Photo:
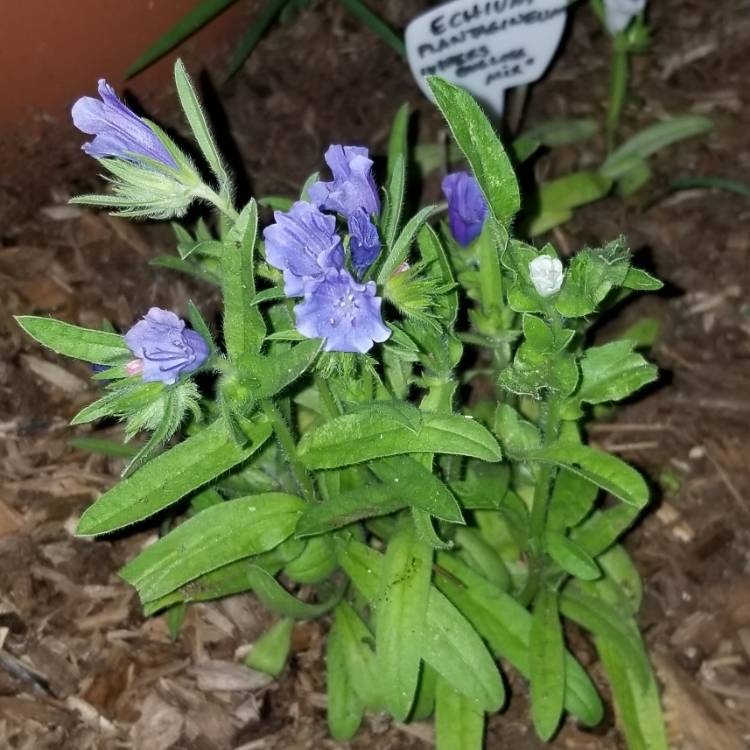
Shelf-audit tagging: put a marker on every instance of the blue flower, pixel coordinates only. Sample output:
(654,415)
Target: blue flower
(467,208)
(303,244)
(118,131)
(353,186)
(341,311)
(364,242)
(164,348)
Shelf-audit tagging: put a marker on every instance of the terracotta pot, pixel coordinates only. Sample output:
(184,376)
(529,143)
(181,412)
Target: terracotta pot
(53,51)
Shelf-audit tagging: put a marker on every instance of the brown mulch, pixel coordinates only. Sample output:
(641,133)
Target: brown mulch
(81,668)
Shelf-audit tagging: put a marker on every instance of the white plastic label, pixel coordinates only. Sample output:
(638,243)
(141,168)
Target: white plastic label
(486,47)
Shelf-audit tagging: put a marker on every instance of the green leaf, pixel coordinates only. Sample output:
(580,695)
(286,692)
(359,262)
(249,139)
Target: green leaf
(172,475)
(364,436)
(185,27)
(599,618)
(419,486)
(439,268)
(557,198)
(97,347)
(361,663)
(556,133)
(490,272)
(200,326)
(395,188)
(571,557)
(458,723)
(711,183)
(653,139)
(255,32)
(349,507)
(572,499)
(280,601)
(478,140)
(612,372)
(400,612)
(506,626)
(271,375)
(483,557)
(637,176)
(424,705)
(399,250)
(641,281)
(455,651)
(373,22)
(533,371)
(103,447)
(604,470)
(214,538)
(603,528)
(244,328)
(271,651)
(638,709)
(451,646)
(124,400)
(591,275)
(315,564)
(398,140)
(517,435)
(547,664)
(345,707)
(196,117)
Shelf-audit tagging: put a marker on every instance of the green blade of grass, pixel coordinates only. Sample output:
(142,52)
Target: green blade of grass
(711,183)
(254,34)
(375,23)
(185,27)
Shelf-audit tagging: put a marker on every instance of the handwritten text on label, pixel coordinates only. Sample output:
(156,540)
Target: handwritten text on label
(486,47)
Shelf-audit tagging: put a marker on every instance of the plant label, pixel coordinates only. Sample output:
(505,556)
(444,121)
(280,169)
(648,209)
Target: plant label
(485,47)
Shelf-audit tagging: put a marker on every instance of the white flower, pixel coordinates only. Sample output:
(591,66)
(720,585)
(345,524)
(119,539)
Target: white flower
(546,275)
(619,13)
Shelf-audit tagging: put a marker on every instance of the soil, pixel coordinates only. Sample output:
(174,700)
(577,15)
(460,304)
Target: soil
(81,668)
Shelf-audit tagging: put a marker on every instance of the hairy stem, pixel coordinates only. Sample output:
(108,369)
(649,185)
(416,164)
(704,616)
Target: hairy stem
(288,445)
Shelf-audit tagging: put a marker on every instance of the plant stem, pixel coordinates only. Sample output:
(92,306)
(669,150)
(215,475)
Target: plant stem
(618,89)
(288,445)
(550,431)
(222,202)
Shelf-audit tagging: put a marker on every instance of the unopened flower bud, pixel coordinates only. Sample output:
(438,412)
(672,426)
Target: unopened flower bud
(546,275)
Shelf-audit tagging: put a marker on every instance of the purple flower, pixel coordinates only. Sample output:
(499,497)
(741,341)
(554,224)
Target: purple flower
(164,347)
(341,311)
(467,208)
(364,242)
(303,244)
(118,131)
(353,186)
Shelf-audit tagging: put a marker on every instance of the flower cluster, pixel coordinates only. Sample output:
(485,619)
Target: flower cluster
(304,244)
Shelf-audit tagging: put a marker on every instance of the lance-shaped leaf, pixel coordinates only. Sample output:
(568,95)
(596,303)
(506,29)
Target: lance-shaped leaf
(172,475)
(478,140)
(458,723)
(613,371)
(97,347)
(547,662)
(572,558)
(345,707)
(638,708)
(400,612)
(199,125)
(604,470)
(280,601)
(364,436)
(506,627)
(362,665)
(244,328)
(271,651)
(451,646)
(216,537)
